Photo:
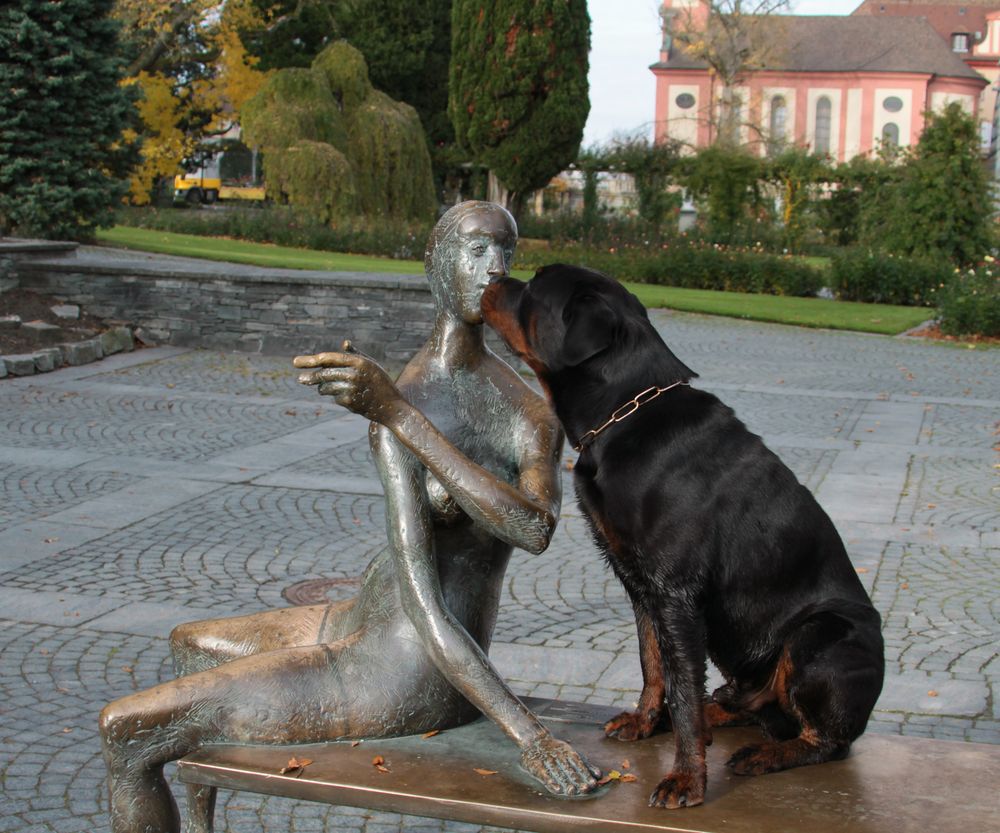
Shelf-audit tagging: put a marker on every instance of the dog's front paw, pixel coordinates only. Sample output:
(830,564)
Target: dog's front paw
(632,725)
(679,789)
(752,760)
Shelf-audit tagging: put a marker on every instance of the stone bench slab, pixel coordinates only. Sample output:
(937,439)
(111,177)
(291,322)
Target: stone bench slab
(888,784)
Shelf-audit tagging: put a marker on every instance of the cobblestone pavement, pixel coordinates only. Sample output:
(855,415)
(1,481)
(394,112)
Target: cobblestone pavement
(168,485)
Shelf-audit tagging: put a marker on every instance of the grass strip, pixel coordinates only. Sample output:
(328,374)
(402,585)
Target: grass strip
(779,309)
(254,254)
(803,312)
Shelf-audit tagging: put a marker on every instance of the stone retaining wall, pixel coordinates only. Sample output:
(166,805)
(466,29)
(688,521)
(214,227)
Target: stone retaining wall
(16,251)
(187,302)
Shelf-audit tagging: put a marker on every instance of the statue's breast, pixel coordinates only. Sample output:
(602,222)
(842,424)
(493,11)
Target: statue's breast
(444,509)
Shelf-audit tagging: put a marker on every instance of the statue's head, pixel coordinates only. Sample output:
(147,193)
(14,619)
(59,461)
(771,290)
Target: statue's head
(470,245)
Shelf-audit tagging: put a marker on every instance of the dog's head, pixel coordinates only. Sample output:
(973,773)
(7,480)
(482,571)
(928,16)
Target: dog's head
(571,321)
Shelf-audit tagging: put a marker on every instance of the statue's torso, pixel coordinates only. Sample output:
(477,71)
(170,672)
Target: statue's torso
(477,413)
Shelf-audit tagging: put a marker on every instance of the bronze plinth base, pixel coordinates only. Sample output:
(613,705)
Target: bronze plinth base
(888,784)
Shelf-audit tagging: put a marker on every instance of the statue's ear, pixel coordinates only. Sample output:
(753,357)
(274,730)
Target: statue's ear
(590,328)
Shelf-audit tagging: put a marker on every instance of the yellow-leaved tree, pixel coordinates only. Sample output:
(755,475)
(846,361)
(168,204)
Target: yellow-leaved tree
(194,73)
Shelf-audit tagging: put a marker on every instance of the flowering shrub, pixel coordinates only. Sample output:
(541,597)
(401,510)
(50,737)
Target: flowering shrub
(861,275)
(969,303)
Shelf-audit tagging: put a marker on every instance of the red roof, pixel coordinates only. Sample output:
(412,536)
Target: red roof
(947,18)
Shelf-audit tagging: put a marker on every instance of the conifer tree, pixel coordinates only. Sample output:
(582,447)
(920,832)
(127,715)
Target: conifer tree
(63,158)
(518,93)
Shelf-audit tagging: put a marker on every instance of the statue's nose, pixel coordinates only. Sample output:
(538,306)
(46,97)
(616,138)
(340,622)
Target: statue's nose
(497,268)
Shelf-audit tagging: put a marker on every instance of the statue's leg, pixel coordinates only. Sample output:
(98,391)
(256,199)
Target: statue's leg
(198,646)
(201,809)
(294,695)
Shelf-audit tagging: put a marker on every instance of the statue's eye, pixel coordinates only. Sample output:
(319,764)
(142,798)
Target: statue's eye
(479,250)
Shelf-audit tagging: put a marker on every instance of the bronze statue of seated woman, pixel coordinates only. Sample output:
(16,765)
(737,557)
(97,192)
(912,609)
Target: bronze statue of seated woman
(468,456)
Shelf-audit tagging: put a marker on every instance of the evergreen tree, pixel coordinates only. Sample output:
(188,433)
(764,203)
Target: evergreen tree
(518,94)
(63,159)
(407,45)
(337,147)
(938,203)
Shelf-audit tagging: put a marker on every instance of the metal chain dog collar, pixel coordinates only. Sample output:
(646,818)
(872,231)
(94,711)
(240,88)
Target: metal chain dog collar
(626,410)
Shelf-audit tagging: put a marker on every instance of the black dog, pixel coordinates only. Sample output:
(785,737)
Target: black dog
(720,548)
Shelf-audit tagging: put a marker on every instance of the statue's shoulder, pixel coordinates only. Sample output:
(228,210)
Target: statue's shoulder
(527,403)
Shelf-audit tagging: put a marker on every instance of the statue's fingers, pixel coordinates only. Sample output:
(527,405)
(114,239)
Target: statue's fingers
(331,359)
(570,777)
(327,374)
(585,773)
(336,374)
(337,390)
(555,778)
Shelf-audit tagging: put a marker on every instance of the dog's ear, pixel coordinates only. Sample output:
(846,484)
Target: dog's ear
(590,327)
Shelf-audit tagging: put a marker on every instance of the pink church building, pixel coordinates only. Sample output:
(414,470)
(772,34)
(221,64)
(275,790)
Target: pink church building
(837,85)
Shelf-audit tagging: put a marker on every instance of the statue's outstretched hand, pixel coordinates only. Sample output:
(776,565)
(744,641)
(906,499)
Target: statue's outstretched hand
(354,380)
(559,767)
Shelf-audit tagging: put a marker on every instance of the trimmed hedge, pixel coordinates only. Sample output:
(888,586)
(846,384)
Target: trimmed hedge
(691,265)
(969,304)
(286,226)
(861,275)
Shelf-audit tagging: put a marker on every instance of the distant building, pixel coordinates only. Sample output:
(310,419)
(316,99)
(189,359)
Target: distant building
(616,193)
(971,30)
(837,85)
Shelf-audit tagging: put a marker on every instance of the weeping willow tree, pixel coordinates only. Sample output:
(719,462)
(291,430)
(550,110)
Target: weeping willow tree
(336,146)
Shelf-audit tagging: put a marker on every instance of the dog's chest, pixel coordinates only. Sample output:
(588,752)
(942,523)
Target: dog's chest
(611,534)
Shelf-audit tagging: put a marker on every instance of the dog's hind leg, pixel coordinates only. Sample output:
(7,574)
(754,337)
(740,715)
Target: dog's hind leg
(826,681)
(650,713)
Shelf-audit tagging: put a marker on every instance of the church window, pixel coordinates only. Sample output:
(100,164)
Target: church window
(823,118)
(890,133)
(893,104)
(685,101)
(779,118)
(960,42)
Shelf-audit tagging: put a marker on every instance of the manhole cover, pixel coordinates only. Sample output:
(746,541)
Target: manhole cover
(321,590)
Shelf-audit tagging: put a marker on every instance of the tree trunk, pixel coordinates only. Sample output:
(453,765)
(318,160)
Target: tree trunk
(499,193)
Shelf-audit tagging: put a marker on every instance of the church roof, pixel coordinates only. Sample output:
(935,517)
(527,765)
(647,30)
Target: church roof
(945,17)
(829,43)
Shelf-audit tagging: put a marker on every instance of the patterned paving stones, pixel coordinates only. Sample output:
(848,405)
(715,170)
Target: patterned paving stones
(165,485)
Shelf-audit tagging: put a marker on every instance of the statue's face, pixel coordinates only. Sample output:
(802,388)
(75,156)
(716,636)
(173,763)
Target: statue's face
(483,247)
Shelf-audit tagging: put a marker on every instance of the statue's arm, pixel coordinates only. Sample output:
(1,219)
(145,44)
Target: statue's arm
(454,652)
(524,516)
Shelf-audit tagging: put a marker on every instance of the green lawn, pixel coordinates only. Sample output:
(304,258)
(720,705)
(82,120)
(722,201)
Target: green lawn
(255,254)
(806,312)
(803,312)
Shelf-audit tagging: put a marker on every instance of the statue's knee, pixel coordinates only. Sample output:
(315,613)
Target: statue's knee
(116,722)
(187,650)
(182,638)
